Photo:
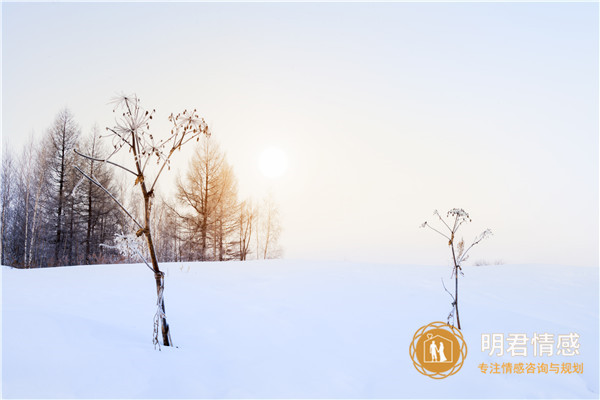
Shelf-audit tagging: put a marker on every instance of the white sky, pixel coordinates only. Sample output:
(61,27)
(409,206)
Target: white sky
(385,111)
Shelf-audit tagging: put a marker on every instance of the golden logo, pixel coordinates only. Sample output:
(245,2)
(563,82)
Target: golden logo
(438,350)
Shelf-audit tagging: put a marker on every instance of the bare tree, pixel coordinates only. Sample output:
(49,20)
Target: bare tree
(225,222)
(32,195)
(270,225)
(40,174)
(96,206)
(73,227)
(166,228)
(24,179)
(457,217)
(257,229)
(208,198)
(245,224)
(132,132)
(64,134)
(26,170)
(6,201)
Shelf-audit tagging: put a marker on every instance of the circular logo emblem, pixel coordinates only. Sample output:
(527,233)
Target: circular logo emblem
(438,350)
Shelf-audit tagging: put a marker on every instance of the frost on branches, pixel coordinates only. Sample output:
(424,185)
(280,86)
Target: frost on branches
(448,229)
(149,155)
(129,246)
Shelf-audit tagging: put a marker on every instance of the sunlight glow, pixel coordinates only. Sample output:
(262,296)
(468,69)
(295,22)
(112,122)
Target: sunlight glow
(272,162)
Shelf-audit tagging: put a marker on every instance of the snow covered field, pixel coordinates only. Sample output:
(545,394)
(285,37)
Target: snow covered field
(283,329)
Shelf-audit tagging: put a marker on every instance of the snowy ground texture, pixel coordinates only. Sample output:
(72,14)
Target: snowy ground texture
(282,329)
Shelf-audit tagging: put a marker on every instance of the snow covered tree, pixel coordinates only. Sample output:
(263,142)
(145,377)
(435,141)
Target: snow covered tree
(63,134)
(132,133)
(457,217)
(35,184)
(98,214)
(27,175)
(7,184)
(31,202)
(27,227)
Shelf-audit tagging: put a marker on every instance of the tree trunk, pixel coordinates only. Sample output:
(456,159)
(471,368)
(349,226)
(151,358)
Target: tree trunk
(204,229)
(33,222)
(71,240)
(268,236)
(5,191)
(60,196)
(26,224)
(88,233)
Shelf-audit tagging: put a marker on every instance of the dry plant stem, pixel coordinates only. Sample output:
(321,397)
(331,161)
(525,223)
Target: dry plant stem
(460,217)
(456,267)
(131,133)
(158,274)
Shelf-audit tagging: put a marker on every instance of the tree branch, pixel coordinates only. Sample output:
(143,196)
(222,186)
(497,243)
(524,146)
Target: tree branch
(441,219)
(453,299)
(430,227)
(478,239)
(136,250)
(105,161)
(111,196)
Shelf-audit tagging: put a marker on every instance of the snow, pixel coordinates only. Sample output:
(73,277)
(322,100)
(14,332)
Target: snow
(283,329)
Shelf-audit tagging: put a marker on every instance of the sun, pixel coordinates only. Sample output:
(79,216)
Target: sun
(272,162)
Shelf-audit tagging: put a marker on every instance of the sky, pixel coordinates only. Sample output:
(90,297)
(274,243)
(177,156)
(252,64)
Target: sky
(385,112)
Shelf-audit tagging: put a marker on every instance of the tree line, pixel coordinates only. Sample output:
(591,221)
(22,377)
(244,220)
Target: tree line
(51,216)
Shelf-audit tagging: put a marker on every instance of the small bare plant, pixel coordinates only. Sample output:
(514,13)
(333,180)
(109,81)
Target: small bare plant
(181,268)
(132,133)
(481,263)
(456,217)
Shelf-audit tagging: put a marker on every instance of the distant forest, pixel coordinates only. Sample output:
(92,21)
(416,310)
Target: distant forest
(52,216)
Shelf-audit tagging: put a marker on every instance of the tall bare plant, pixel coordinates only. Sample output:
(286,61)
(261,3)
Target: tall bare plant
(132,132)
(456,217)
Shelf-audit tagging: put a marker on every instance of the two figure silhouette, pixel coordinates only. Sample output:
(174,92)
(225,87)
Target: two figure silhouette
(434,350)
